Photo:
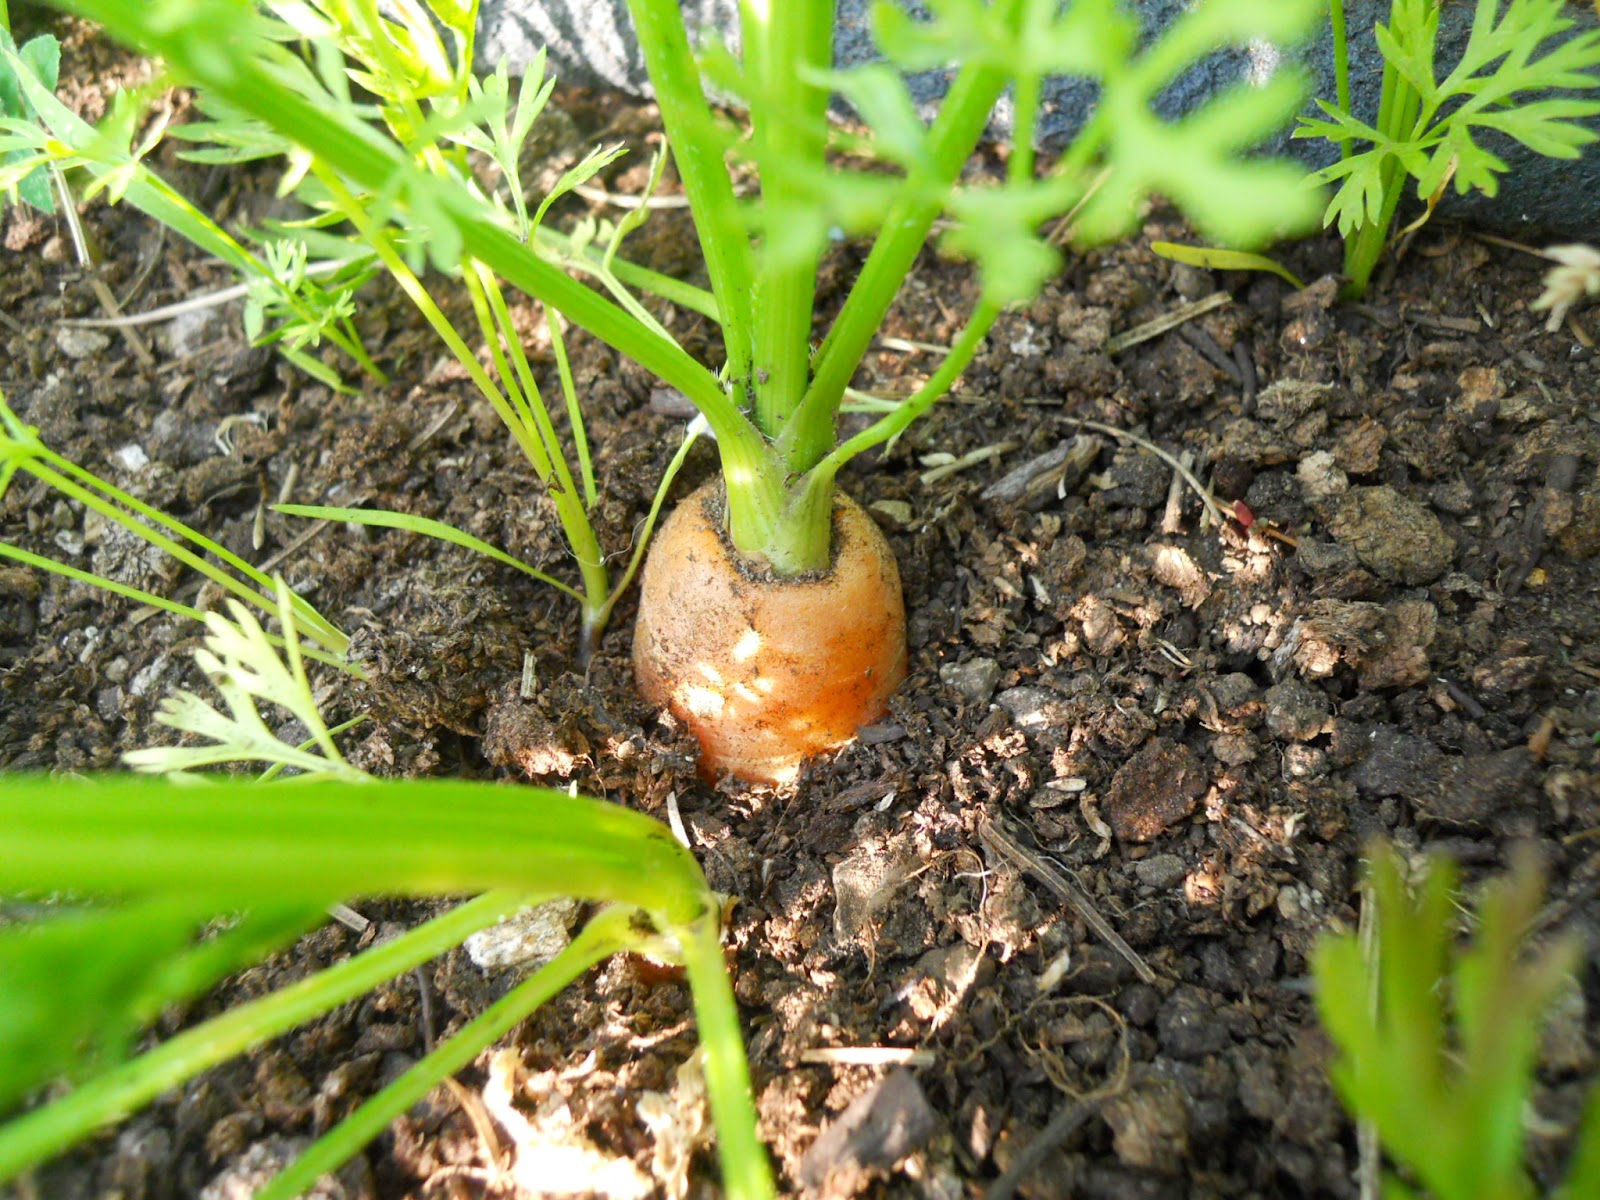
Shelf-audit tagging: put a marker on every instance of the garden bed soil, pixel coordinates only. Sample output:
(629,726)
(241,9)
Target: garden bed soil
(1121,715)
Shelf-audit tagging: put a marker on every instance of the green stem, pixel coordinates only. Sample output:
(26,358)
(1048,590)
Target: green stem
(382,245)
(607,934)
(46,1132)
(154,197)
(1341,66)
(317,626)
(697,149)
(468,32)
(1398,107)
(154,601)
(759,514)
(1026,106)
(674,291)
(1366,248)
(955,133)
(785,45)
(563,490)
(745,1169)
(804,521)
(939,383)
(24,450)
(349,341)
(569,392)
(427,527)
(322,841)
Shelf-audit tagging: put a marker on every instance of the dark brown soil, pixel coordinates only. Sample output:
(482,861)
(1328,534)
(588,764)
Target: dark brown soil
(1196,725)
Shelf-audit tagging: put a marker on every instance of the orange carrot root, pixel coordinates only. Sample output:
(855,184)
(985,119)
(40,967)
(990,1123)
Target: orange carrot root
(767,672)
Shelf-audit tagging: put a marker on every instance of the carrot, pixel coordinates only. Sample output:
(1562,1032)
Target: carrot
(768,671)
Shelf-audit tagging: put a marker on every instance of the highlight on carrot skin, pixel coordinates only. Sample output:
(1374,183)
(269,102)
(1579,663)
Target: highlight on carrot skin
(765,672)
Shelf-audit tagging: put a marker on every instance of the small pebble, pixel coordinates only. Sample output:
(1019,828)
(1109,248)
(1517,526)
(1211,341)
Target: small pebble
(132,457)
(1397,538)
(1150,1126)
(1030,707)
(1188,1028)
(1160,871)
(975,679)
(1296,712)
(531,937)
(81,343)
(886,1123)
(1154,790)
(1397,764)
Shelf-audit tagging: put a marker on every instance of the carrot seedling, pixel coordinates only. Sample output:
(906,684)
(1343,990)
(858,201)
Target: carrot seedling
(772,402)
(1438,1044)
(1522,75)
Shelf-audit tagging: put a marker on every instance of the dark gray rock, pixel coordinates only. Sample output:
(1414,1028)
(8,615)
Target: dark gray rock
(1160,871)
(1477,788)
(1296,712)
(1149,1126)
(591,41)
(1188,1026)
(975,679)
(1398,764)
(886,1123)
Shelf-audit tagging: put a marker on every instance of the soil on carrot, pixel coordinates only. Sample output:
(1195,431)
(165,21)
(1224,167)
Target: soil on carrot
(1085,857)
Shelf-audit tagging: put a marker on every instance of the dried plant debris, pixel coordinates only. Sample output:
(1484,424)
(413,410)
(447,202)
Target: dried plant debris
(1574,278)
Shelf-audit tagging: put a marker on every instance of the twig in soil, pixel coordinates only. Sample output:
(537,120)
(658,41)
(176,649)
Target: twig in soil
(315,531)
(438,423)
(1209,349)
(348,917)
(868,1056)
(943,469)
(1172,517)
(905,346)
(424,1008)
(1055,472)
(1178,316)
(1221,515)
(80,246)
(1247,372)
(200,303)
(1173,655)
(109,303)
(1511,245)
(597,195)
(1388,317)
(993,834)
(1463,698)
(1063,1123)
(146,270)
(675,821)
(1558,481)
(476,1110)
(492,1151)
(1061,233)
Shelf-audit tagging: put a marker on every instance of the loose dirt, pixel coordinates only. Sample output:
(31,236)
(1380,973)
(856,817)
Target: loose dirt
(1078,869)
